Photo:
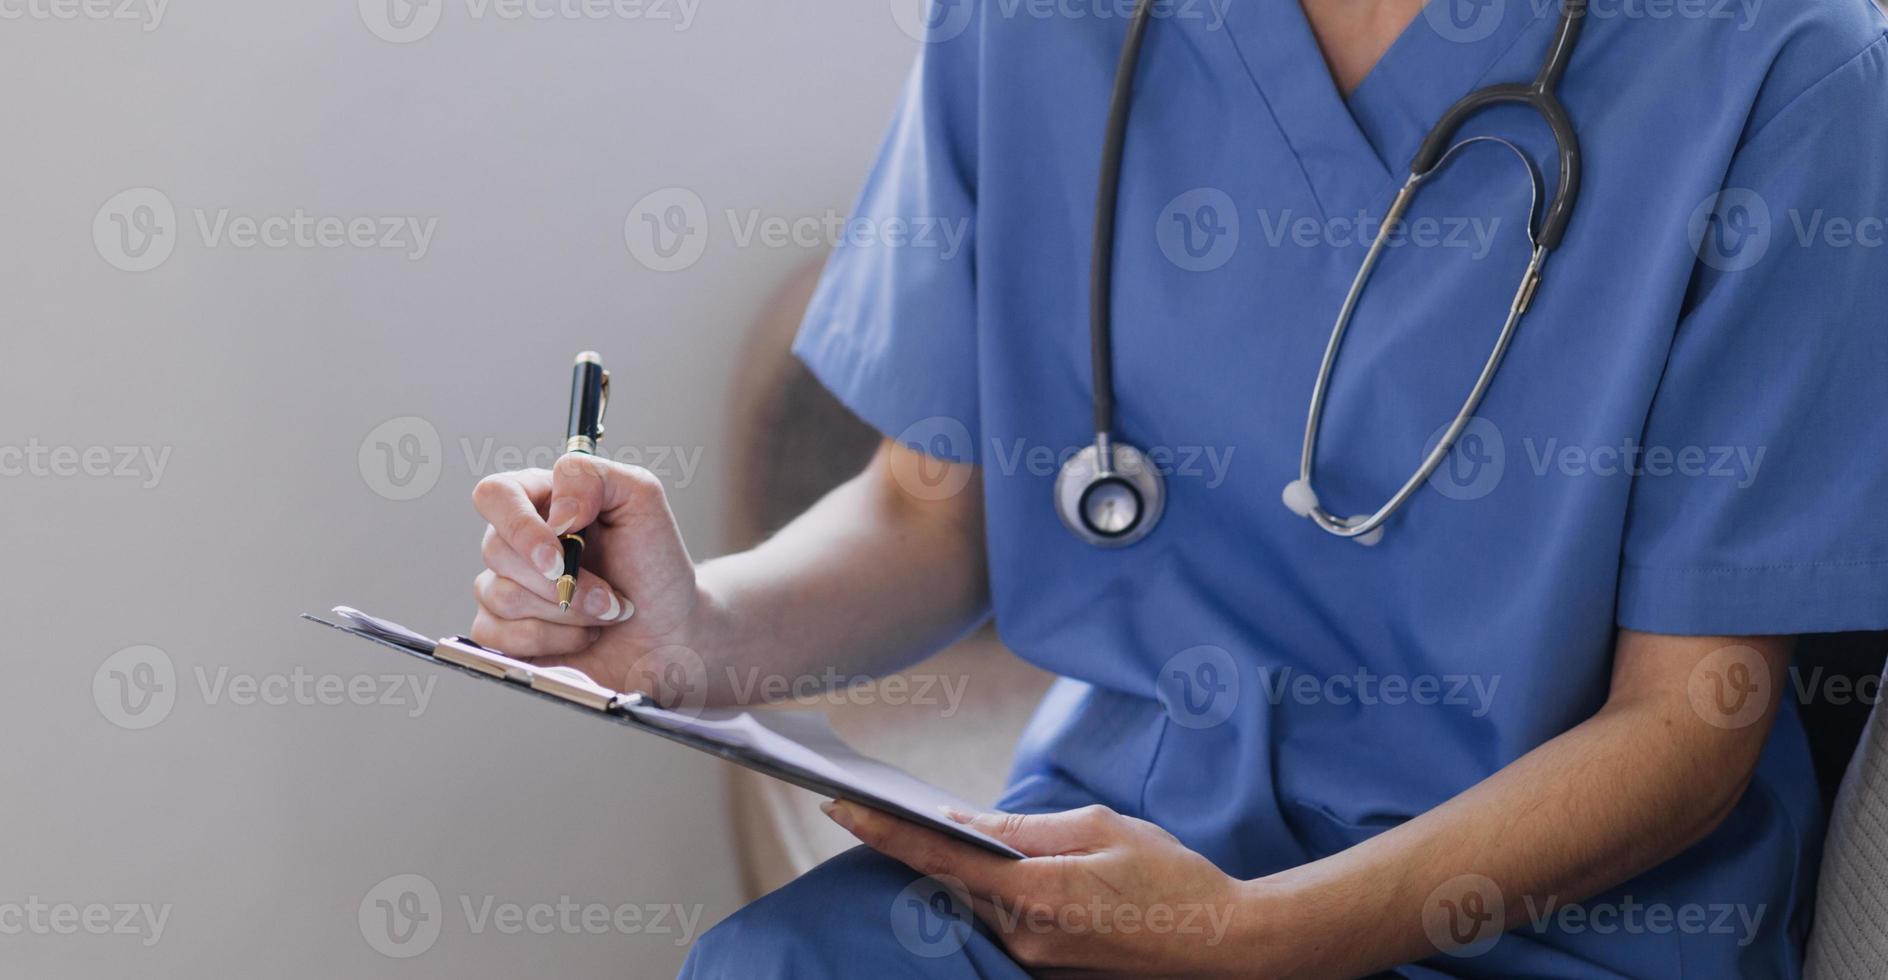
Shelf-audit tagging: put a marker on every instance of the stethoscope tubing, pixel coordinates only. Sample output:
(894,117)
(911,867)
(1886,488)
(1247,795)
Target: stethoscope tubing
(1101,258)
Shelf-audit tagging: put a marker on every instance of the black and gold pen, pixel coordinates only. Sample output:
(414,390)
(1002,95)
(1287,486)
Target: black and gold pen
(589,396)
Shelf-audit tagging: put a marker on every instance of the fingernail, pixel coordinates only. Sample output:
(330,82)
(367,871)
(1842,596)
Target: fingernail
(601,604)
(549,560)
(568,511)
(629,609)
(838,813)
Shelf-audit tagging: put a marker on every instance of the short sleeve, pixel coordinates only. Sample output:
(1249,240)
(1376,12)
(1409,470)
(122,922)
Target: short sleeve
(1760,505)
(892,328)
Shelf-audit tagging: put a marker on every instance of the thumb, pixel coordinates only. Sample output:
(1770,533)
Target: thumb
(634,543)
(583,485)
(1044,834)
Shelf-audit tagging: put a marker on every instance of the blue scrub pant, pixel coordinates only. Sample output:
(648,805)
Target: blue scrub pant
(860,914)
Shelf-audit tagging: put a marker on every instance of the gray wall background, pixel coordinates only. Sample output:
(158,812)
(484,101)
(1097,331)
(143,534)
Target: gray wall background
(320,414)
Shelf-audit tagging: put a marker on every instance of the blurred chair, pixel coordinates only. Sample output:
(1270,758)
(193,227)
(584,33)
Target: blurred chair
(793,442)
(1850,939)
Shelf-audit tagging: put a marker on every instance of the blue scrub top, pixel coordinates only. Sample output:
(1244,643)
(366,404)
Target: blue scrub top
(1687,436)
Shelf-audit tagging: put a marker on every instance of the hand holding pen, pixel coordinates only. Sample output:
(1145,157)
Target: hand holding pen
(589,531)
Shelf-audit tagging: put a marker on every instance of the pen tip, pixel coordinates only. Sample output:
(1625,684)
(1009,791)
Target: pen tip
(564,606)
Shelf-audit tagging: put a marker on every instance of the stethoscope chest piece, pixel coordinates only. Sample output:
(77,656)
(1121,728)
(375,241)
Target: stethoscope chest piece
(1110,502)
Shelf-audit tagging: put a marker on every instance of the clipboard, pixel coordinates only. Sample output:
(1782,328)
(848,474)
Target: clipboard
(857,778)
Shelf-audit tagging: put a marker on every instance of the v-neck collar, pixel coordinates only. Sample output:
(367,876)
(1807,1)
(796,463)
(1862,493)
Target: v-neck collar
(1351,150)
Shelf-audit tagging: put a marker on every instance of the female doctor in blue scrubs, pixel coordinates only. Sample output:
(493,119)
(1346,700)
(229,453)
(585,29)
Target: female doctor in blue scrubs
(1537,727)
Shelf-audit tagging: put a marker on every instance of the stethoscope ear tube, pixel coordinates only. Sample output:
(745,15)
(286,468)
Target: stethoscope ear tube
(1540,96)
(1439,142)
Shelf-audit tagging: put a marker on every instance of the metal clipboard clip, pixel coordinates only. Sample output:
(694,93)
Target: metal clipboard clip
(566,683)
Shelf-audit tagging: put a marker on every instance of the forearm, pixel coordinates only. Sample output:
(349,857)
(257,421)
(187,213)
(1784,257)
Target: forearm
(1624,791)
(867,581)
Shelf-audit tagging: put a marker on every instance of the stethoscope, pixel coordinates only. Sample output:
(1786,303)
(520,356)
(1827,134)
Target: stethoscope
(1111,495)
